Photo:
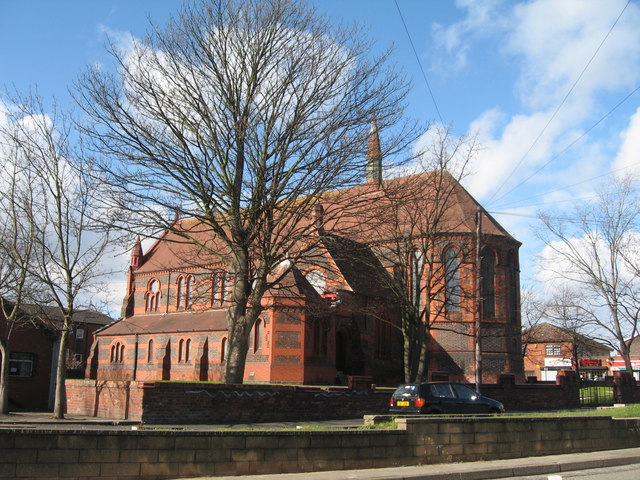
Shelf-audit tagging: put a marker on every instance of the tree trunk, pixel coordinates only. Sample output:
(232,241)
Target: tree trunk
(61,374)
(4,380)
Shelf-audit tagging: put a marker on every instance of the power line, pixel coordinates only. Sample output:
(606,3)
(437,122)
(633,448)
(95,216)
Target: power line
(563,188)
(424,75)
(555,113)
(571,144)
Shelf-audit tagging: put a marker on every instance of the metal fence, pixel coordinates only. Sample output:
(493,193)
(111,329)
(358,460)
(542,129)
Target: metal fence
(596,393)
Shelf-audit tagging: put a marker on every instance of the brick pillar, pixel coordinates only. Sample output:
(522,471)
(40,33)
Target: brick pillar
(570,383)
(623,387)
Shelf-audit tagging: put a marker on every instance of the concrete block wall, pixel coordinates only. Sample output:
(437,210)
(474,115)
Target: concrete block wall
(439,440)
(155,454)
(123,455)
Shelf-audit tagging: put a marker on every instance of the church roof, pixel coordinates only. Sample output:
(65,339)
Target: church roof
(356,213)
(177,322)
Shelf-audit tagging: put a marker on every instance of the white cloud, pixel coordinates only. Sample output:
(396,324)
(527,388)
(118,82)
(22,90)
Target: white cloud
(555,41)
(628,158)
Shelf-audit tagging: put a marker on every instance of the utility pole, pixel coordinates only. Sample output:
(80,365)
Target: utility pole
(478,309)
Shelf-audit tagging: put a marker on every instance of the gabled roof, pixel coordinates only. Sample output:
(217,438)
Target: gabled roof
(49,314)
(548,333)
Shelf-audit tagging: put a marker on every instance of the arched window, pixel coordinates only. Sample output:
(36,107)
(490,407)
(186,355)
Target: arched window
(153,296)
(180,350)
(487,272)
(180,294)
(512,287)
(220,285)
(223,350)
(113,353)
(187,350)
(452,280)
(150,351)
(121,353)
(417,276)
(188,294)
(257,336)
(226,287)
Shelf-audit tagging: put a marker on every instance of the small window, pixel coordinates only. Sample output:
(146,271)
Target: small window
(21,364)
(552,350)
(150,351)
(223,350)
(79,333)
(257,336)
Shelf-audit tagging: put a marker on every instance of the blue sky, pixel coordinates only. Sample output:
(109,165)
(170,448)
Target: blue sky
(548,86)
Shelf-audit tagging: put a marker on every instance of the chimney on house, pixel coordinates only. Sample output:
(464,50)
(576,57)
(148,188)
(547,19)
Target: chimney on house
(374,156)
(136,254)
(318,217)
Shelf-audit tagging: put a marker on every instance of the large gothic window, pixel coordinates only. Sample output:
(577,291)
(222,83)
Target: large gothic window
(487,272)
(452,280)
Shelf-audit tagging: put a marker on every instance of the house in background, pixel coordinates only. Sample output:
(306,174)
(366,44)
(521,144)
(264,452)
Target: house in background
(548,349)
(33,348)
(330,319)
(618,364)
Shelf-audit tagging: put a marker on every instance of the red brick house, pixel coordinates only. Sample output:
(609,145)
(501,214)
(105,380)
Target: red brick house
(550,349)
(33,348)
(618,364)
(327,320)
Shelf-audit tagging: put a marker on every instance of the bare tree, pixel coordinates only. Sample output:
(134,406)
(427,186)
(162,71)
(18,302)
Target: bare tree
(566,309)
(532,308)
(66,246)
(594,249)
(17,232)
(241,115)
(420,220)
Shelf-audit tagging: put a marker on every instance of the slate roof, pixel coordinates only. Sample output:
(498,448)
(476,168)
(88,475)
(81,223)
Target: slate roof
(177,322)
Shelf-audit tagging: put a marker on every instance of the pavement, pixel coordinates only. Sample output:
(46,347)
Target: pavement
(485,470)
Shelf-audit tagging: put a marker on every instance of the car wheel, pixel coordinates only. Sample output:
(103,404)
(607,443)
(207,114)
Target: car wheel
(494,410)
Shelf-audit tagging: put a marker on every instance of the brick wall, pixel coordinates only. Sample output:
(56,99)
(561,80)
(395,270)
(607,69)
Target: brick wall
(172,402)
(156,454)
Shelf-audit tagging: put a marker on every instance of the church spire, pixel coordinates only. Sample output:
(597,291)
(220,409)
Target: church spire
(374,156)
(136,254)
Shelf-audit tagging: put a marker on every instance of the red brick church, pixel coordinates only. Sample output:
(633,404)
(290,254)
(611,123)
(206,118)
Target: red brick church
(333,316)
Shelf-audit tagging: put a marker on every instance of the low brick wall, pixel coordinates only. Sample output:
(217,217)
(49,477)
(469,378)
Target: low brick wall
(158,454)
(189,403)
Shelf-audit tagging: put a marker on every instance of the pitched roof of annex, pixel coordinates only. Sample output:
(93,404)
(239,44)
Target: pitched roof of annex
(176,322)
